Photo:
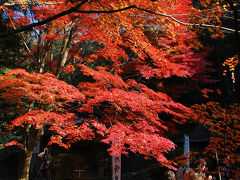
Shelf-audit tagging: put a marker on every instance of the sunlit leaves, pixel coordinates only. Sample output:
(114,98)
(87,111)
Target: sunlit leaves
(44,99)
(130,113)
(19,85)
(146,35)
(230,65)
(12,143)
(223,124)
(121,111)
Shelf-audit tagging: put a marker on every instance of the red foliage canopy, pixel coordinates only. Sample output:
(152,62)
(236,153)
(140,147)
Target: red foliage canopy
(130,113)
(154,42)
(44,99)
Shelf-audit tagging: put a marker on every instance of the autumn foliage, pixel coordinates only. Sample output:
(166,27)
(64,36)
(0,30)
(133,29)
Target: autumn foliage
(138,40)
(43,100)
(130,112)
(223,124)
(166,42)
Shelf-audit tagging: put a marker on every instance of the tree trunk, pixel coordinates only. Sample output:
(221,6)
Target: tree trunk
(24,165)
(32,138)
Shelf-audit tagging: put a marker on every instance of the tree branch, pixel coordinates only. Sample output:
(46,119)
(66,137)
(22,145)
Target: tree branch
(160,14)
(76,9)
(31,4)
(63,13)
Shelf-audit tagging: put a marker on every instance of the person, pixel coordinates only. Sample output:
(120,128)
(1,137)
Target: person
(180,172)
(189,174)
(46,161)
(228,168)
(210,177)
(199,173)
(169,175)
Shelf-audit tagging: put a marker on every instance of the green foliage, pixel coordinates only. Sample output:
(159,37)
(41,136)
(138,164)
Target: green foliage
(11,47)
(3,70)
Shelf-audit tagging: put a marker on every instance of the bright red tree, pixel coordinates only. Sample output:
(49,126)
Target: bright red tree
(42,100)
(139,39)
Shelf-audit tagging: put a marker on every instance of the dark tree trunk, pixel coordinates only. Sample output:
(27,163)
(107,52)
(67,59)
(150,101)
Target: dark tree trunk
(32,138)
(24,165)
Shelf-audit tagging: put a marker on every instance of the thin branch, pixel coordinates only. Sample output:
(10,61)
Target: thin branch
(119,65)
(160,14)
(63,13)
(24,42)
(110,120)
(76,9)
(30,4)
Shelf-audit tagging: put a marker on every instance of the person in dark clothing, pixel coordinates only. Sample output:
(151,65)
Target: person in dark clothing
(180,171)
(46,161)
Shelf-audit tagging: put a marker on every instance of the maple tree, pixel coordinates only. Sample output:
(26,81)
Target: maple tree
(139,40)
(225,13)
(222,117)
(42,100)
(222,121)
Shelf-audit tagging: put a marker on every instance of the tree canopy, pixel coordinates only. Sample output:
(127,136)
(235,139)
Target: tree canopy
(136,40)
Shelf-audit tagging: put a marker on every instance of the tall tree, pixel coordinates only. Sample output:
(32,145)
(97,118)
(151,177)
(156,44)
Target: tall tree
(140,40)
(41,99)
